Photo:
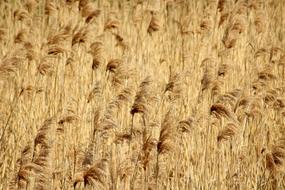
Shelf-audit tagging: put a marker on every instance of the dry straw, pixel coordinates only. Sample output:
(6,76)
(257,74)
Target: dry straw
(143,94)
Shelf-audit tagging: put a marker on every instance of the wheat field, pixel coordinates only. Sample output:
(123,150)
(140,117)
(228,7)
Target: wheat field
(142,94)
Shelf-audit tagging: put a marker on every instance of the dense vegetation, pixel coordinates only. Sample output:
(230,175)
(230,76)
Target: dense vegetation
(134,94)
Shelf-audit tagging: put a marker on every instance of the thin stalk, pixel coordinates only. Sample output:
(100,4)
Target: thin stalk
(10,115)
(132,183)
(132,126)
(145,179)
(157,168)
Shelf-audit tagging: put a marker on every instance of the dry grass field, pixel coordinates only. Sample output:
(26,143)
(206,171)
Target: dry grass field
(142,94)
